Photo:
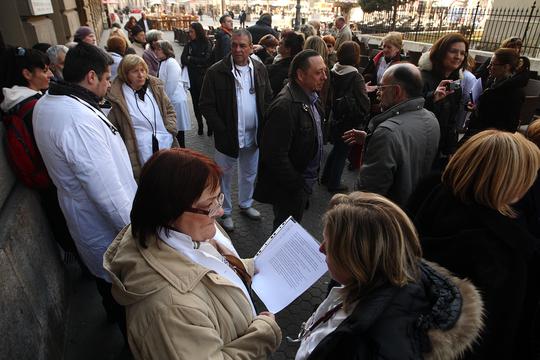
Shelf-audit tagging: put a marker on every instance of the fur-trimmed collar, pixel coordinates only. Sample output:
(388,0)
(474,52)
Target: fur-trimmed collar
(425,64)
(455,341)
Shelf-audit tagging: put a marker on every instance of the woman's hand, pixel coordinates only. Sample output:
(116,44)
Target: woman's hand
(269,314)
(354,136)
(370,88)
(441,92)
(471,106)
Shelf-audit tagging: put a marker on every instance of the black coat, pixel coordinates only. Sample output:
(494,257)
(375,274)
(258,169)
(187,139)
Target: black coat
(499,106)
(278,73)
(351,84)
(149,22)
(196,56)
(445,110)
(222,47)
(289,142)
(261,28)
(218,103)
(392,322)
(497,254)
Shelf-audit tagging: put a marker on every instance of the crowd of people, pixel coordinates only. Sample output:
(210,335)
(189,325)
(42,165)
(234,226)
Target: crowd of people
(434,254)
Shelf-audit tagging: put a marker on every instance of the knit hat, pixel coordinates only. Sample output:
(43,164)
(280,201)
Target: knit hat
(81,33)
(135,30)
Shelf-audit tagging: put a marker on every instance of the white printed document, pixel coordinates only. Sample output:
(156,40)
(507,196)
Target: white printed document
(287,265)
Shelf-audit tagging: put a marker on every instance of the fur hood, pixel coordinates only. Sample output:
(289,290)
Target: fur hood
(425,64)
(453,342)
(14,95)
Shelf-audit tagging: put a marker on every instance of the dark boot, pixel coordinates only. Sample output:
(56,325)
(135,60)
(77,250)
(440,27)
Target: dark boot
(200,125)
(180,136)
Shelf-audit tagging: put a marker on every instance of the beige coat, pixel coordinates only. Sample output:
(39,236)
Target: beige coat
(345,34)
(177,309)
(119,116)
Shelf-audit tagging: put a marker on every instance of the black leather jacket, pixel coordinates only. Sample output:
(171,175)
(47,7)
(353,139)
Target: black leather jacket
(288,144)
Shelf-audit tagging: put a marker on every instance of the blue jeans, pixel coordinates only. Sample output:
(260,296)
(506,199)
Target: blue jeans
(333,168)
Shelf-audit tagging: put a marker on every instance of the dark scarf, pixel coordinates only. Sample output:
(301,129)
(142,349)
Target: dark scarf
(70,89)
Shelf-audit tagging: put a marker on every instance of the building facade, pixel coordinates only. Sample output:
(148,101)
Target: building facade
(26,22)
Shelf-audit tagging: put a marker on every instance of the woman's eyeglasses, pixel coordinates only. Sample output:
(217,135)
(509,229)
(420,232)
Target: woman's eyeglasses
(213,210)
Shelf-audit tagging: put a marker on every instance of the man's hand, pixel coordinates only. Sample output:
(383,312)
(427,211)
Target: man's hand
(354,136)
(370,88)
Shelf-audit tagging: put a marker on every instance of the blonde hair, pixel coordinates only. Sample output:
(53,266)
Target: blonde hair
(394,38)
(533,132)
(373,239)
(119,33)
(494,169)
(316,43)
(128,63)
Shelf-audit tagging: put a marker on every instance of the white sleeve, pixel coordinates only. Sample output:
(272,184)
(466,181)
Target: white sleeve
(173,77)
(91,158)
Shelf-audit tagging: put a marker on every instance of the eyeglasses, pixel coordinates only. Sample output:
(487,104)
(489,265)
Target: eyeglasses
(380,87)
(329,45)
(213,210)
(495,64)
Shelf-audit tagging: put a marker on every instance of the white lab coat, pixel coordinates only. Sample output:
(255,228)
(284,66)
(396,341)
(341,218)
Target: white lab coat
(91,170)
(176,86)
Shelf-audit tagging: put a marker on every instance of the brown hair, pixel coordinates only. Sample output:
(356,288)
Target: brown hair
(349,53)
(507,56)
(371,238)
(117,45)
(440,48)
(170,182)
(269,40)
(329,39)
(293,41)
(493,168)
(513,42)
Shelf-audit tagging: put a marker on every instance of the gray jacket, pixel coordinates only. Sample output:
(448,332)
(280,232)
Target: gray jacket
(401,147)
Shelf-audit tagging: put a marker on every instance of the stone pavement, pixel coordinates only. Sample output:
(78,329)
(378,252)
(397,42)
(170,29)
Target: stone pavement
(89,336)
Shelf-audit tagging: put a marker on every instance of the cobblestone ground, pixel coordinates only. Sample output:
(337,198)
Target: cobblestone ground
(89,337)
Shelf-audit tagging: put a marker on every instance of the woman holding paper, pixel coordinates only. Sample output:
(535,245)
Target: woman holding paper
(177,273)
(392,304)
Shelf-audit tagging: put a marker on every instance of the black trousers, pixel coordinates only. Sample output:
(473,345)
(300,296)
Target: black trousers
(116,313)
(294,205)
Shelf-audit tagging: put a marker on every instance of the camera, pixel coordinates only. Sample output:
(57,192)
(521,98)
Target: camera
(455,85)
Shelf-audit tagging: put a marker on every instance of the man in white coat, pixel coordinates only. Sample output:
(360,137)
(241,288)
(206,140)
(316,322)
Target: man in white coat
(87,160)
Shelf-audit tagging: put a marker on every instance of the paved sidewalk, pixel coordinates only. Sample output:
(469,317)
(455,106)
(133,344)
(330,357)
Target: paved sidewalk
(90,337)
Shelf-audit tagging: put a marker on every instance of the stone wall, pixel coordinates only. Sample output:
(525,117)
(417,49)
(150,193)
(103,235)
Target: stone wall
(33,281)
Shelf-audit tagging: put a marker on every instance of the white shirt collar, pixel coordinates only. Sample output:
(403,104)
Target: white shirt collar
(183,243)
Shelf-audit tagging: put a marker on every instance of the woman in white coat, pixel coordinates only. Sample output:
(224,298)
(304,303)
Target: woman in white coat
(176,86)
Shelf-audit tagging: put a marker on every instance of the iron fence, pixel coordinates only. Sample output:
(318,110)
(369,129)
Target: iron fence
(484,28)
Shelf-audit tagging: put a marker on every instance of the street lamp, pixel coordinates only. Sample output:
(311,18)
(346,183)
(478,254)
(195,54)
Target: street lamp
(297,20)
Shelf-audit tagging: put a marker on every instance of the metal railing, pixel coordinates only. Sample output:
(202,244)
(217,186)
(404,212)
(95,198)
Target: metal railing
(484,28)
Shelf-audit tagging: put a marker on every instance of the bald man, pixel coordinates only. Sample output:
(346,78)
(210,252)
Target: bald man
(402,142)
